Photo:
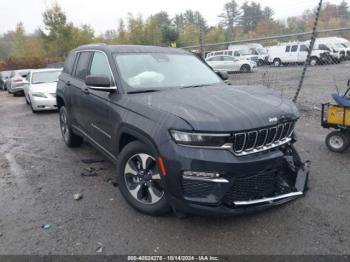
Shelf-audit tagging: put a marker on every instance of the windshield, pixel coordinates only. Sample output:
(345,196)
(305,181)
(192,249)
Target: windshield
(45,77)
(339,46)
(163,71)
(262,51)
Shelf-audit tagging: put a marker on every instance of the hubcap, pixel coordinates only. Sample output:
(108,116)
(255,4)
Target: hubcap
(336,142)
(143,179)
(64,126)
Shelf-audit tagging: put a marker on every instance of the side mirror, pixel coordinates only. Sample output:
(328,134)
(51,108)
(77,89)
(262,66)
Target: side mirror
(99,82)
(223,75)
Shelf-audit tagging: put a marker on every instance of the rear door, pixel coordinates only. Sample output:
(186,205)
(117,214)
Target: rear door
(230,64)
(216,62)
(77,88)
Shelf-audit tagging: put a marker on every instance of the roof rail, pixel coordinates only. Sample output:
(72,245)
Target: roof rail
(94,44)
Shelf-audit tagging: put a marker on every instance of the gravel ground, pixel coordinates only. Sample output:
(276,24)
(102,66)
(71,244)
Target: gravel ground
(39,176)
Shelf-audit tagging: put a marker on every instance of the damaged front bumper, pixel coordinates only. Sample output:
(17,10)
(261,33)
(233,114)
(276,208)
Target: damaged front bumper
(248,185)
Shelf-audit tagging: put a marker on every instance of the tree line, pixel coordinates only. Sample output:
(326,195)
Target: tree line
(249,20)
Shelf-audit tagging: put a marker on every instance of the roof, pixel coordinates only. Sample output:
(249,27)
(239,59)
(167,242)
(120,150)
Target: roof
(46,70)
(131,49)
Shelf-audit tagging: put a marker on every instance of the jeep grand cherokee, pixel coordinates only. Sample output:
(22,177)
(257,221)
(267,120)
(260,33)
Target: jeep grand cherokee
(181,138)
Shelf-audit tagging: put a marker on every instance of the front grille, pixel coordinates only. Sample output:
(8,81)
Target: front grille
(252,187)
(254,141)
(255,58)
(197,189)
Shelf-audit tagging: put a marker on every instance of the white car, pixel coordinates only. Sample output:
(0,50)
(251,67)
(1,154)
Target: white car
(230,64)
(40,89)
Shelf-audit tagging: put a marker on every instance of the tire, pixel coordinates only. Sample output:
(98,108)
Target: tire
(338,141)
(33,110)
(27,101)
(314,61)
(70,139)
(142,187)
(277,62)
(245,69)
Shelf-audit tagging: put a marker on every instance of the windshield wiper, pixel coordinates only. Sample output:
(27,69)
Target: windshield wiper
(194,86)
(143,91)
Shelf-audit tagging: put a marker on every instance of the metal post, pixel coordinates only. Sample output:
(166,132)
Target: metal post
(201,37)
(311,47)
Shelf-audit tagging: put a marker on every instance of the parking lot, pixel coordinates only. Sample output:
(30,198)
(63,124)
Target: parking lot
(39,176)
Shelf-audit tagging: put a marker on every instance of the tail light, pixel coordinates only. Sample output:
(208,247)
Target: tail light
(18,80)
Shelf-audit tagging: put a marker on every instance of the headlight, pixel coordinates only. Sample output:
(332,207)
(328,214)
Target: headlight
(39,94)
(199,139)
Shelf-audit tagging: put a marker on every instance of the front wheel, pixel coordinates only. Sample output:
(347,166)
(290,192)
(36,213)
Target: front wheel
(140,179)
(338,141)
(313,61)
(277,62)
(245,69)
(71,139)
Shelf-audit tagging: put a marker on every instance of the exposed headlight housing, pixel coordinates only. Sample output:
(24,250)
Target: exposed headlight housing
(39,94)
(199,139)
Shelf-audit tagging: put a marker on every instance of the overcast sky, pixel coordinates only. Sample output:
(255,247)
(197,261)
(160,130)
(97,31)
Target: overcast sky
(104,14)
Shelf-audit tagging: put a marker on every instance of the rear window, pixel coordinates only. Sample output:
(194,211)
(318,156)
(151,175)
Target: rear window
(68,66)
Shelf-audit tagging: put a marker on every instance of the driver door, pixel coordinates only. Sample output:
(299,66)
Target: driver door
(97,103)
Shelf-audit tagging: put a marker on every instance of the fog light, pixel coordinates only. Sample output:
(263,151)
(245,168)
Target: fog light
(212,177)
(201,174)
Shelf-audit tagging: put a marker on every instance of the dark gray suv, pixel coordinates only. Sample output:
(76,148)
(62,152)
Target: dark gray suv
(181,138)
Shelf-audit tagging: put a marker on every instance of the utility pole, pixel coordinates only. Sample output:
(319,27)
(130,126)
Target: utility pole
(311,47)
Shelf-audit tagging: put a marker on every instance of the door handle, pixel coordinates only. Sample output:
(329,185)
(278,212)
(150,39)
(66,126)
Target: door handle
(68,83)
(86,91)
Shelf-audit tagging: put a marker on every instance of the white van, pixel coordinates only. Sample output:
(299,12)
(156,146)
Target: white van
(331,45)
(295,52)
(245,52)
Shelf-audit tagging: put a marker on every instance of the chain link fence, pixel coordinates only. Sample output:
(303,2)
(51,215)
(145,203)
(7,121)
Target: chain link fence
(278,62)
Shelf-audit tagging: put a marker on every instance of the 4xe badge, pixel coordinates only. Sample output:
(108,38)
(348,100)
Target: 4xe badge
(273,119)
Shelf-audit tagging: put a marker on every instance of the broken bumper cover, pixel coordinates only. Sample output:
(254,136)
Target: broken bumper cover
(249,206)
(245,185)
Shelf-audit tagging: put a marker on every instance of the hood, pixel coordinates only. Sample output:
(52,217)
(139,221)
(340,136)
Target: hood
(221,108)
(47,88)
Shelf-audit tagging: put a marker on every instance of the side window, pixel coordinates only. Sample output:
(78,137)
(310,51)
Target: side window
(288,48)
(68,65)
(219,53)
(230,53)
(323,47)
(100,65)
(237,53)
(294,48)
(227,58)
(82,68)
(216,58)
(303,48)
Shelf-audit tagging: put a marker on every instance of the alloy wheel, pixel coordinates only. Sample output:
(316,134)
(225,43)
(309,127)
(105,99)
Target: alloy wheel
(64,126)
(143,179)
